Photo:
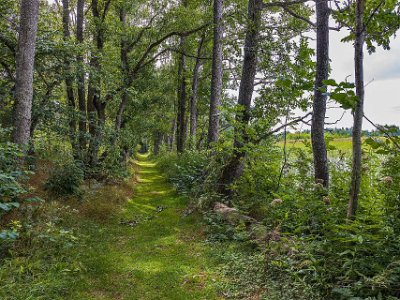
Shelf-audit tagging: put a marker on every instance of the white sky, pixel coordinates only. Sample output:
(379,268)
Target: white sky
(382,72)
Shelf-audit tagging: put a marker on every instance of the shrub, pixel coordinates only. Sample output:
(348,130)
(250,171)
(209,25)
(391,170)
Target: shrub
(11,191)
(65,180)
(185,171)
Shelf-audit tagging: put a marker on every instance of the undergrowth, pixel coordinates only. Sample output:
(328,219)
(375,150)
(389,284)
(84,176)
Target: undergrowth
(42,243)
(306,249)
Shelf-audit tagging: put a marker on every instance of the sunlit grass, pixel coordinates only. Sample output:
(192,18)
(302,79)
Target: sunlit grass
(132,243)
(162,257)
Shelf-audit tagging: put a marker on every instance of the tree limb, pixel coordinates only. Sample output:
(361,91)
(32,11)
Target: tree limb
(271,132)
(188,55)
(8,43)
(155,44)
(141,33)
(384,131)
(373,14)
(284,4)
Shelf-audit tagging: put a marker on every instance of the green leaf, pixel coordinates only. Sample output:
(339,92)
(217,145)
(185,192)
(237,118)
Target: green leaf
(330,82)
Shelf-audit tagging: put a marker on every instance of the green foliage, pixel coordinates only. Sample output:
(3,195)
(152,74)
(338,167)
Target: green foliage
(390,186)
(305,249)
(185,171)
(342,92)
(11,191)
(381,21)
(65,179)
(306,245)
(41,264)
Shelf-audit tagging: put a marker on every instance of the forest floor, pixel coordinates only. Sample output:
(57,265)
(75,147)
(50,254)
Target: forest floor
(148,250)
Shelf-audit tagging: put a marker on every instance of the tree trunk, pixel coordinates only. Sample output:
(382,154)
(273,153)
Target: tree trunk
(193,98)
(171,139)
(96,107)
(91,112)
(181,122)
(233,170)
(126,78)
(158,138)
(359,110)
(216,77)
(202,137)
(319,106)
(68,77)
(29,15)
(81,77)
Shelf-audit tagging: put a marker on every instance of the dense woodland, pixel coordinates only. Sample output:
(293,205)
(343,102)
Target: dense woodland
(124,120)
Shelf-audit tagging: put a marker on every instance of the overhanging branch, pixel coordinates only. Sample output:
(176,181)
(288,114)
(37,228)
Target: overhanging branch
(293,122)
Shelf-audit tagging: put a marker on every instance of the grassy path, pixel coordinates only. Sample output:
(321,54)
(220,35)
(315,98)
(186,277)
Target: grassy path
(148,250)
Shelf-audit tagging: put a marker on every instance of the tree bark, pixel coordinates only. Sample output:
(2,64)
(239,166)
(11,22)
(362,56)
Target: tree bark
(216,77)
(171,139)
(126,78)
(234,167)
(68,77)
(92,112)
(359,110)
(158,138)
(95,105)
(319,106)
(193,98)
(181,122)
(29,15)
(81,76)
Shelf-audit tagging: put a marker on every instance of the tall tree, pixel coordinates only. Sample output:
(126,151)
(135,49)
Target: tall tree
(67,74)
(181,129)
(81,75)
(29,15)
(319,106)
(95,103)
(194,96)
(217,72)
(359,109)
(234,167)
(126,78)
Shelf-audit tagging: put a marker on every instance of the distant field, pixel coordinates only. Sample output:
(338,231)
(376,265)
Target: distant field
(343,144)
